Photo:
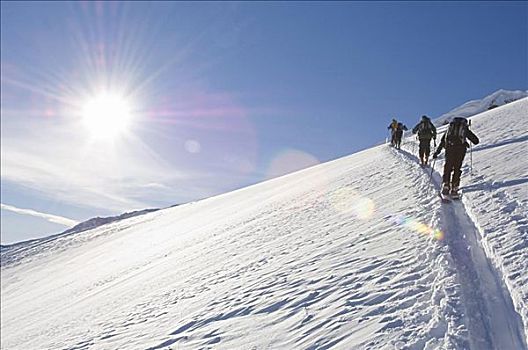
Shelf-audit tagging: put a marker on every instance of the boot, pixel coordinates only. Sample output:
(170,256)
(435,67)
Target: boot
(445,189)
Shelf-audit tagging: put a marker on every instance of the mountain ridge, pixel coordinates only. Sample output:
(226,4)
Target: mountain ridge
(474,107)
(82,226)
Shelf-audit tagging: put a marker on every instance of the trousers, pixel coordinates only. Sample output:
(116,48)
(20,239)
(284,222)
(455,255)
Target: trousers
(425,148)
(453,164)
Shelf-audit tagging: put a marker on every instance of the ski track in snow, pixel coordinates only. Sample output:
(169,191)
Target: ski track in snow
(491,317)
(497,197)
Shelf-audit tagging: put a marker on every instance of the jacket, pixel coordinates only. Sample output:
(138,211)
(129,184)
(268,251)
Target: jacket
(469,135)
(425,134)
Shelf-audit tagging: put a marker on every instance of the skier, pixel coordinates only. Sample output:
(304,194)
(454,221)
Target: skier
(454,141)
(398,134)
(426,131)
(393,126)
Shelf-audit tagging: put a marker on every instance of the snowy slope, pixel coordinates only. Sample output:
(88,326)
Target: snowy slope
(474,107)
(496,200)
(357,253)
(12,253)
(496,195)
(15,253)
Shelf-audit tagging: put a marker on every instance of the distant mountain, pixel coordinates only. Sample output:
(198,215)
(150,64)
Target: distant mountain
(471,108)
(98,221)
(83,226)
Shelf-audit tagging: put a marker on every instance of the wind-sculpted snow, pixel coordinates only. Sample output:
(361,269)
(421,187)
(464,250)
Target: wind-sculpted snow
(495,187)
(497,195)
(357,253)
(316,259)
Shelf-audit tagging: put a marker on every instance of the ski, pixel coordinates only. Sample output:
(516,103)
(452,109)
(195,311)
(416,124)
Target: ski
(456,196)
(444,197)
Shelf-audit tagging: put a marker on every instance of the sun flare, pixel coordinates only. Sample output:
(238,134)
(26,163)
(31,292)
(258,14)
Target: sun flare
(106,115)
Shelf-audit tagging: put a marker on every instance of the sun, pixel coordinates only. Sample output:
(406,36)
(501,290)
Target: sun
(106,115)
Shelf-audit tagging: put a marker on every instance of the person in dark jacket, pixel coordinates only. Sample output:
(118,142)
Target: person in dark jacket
(398,134)
(393,126)
(455,144)
(426,131)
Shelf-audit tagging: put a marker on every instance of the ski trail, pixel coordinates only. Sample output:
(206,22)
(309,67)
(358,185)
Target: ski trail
(492,320)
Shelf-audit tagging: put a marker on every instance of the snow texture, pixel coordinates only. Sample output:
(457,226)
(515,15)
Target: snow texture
(357,253)
(19,250)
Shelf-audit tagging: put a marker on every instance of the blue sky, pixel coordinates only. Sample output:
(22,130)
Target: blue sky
(223,95)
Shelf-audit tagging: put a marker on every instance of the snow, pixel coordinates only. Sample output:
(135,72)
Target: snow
(497,196)
(471,108)
(357,253)
(25,249)
(495,202)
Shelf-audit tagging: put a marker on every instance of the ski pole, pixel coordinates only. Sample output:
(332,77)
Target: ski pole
(470,159)
(432,167)
(470,154)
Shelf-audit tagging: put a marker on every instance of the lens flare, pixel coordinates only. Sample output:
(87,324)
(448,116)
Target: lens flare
(289,161)
(363,207)
(192,146)
(418,226)
(347,200)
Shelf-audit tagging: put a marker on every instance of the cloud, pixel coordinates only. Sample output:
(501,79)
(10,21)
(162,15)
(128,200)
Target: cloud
(49,217)
(59,162)
(170,158)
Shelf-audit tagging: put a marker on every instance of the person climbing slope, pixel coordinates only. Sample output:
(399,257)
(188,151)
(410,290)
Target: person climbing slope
(398,134)
(426,131)
(392,127)
(455,144)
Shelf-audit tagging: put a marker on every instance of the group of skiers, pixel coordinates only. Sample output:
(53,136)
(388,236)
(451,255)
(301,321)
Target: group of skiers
(397,130)
(454,141)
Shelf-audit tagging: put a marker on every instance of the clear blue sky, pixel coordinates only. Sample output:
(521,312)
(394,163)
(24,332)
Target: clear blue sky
(225,94)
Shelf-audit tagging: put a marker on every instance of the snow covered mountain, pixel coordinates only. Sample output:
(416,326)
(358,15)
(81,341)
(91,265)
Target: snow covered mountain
(99,221)
(357,253)
(471,108)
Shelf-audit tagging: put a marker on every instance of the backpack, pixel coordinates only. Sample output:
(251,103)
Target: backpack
(425,130)
(456,132)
